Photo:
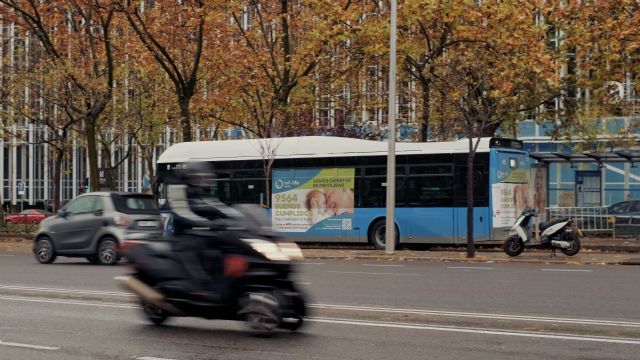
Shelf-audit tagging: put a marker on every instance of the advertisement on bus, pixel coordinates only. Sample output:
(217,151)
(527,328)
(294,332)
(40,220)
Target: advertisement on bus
(510,190)
(307,199)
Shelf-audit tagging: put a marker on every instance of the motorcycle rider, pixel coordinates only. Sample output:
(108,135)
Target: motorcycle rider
(194,208)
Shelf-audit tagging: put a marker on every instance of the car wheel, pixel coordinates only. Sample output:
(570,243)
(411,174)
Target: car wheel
(44,251)
(107,254)
(377,234)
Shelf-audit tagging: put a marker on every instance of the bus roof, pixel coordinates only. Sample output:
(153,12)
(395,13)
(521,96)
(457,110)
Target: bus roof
(304,147)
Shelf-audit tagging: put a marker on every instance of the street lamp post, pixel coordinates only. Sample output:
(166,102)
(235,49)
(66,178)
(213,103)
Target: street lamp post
(390,235)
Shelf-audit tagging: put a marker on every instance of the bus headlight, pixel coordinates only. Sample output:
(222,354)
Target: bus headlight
(291,249)
(268,249)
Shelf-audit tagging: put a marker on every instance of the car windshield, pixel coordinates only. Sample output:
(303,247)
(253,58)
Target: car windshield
(135,203)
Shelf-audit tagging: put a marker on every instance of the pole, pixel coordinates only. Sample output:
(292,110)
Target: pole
(390,235)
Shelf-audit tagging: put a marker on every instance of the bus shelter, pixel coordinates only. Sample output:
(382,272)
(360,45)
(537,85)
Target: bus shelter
(599,181)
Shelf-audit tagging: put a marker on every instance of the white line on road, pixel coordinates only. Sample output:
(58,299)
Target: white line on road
(94,292)
(486,331)
(28,346)
(554,336)
(369,309)
(479,315)
(304,283)
(310,263)
(470,267)
(68,302)
(567,270)
(380,265)
(369,273)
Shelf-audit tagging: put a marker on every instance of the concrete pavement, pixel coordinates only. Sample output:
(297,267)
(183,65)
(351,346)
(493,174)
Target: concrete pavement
(361,310)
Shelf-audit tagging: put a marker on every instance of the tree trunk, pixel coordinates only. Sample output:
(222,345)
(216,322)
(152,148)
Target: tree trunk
(57,175)
(92,153)
(426,111)
(267,190)
(470,203)
(149,161)
(185,119)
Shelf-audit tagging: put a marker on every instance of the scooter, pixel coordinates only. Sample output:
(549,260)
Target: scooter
(554,234)
(253,282)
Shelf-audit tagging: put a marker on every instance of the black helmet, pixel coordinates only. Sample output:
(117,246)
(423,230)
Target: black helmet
(200,174)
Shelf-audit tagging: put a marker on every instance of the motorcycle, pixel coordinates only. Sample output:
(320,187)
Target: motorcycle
(554,234)
(252,270)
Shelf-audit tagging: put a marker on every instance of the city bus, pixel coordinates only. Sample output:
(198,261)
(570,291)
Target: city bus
(333,189)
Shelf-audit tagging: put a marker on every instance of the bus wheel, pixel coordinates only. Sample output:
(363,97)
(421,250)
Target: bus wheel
(377,234)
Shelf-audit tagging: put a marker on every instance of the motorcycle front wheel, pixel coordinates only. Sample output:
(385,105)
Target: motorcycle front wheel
(572,239)
(513,246)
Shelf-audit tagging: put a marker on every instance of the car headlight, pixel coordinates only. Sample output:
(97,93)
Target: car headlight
(291,249)
(269,249)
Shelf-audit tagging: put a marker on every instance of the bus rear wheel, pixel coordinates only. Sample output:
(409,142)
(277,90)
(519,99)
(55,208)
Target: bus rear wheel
(377,234)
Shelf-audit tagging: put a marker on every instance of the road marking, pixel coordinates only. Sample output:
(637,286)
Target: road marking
(380,265)
(567,270)
(94,292)
(470,267)
(152,358)
(479,315)
(369,273)
(365,308)
(310,263)
(304,283)
(555,336)
(28,346)
(68,302)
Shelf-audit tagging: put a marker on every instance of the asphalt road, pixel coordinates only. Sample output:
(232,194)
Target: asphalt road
(362,310)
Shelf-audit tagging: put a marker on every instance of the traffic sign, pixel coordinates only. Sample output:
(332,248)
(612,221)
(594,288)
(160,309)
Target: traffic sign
(21,189)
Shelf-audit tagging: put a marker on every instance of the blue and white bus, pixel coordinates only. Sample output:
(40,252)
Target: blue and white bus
(330,189)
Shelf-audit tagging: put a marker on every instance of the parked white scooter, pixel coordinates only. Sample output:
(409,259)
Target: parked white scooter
(554,234)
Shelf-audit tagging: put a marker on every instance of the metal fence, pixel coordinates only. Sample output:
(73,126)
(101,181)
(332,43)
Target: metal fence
(591,221)
(596,221)
(18,223)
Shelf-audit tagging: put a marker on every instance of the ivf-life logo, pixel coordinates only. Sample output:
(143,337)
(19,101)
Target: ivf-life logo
(279,184)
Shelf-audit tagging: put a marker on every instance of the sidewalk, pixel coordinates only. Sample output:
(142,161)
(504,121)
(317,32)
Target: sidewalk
(595,252)
(586,257)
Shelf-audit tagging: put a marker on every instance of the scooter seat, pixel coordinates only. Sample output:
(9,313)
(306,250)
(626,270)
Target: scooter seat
(547,224)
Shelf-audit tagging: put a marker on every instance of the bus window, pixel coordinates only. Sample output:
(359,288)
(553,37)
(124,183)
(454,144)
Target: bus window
(248,191)
(431,170)
(223,190)
(430,191)
(374,192)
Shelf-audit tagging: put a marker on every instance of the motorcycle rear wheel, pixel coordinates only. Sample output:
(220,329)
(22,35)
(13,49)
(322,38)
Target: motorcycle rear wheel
(155,314)
(513,246)
(574,240)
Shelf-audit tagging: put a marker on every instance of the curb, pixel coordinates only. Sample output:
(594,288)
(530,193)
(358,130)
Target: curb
(635,261)
(473,260)
(11,236)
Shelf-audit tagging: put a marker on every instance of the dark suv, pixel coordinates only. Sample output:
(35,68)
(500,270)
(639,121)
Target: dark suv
(93,226)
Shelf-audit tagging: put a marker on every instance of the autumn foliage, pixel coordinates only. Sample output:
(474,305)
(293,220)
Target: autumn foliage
(466,68)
